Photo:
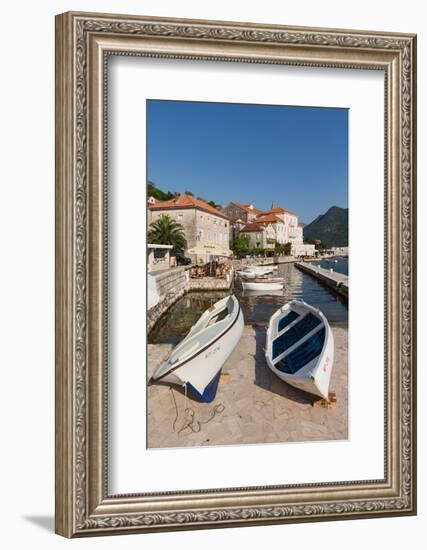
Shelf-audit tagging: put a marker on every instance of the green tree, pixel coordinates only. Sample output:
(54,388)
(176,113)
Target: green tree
(258,251)
(165,230)
(241,245)
(318,245)
(158,194)
(287,249)
(277,248)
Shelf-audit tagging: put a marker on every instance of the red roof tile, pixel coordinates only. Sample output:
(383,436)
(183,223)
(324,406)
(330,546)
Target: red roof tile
(279,210)
(252,227)
(247,208)
(187,201)
(269,218)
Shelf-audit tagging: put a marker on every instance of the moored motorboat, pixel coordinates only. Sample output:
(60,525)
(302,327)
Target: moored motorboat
(300,347)
(260,283)
(196,362)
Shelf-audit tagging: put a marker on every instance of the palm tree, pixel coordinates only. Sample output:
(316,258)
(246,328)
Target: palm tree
(165,230)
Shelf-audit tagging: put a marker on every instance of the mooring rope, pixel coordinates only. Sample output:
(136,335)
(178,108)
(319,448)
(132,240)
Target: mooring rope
(190,420)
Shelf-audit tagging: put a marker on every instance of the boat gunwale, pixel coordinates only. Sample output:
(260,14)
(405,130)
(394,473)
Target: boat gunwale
(201,350)
(299,342)
(328,334)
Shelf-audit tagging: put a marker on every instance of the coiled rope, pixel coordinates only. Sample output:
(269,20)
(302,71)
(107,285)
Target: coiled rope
(190,420)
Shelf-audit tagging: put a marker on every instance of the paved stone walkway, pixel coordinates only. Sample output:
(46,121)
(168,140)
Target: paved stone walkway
(258,406)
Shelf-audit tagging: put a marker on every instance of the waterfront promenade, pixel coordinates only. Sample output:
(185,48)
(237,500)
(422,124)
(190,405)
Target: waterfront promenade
(258,406)
(336,281)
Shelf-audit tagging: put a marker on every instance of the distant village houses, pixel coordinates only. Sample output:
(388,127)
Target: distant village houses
(244,212)
(266,228)
(210,231)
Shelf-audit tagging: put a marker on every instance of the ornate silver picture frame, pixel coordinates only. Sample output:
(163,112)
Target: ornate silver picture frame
(84,42)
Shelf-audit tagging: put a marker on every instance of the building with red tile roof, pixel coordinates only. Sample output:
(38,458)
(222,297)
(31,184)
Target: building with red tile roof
(255,226)
(261,235)
(187,201)
(278,210)
(245,212)
(207,230)
(269,218)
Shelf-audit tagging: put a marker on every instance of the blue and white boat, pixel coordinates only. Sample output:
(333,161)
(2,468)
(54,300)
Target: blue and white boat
(300,347)
(196,362)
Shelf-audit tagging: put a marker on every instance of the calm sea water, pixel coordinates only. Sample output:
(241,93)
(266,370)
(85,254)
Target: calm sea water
(340,265)
(257,308)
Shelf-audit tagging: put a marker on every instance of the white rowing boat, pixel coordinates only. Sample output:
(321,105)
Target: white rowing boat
(256,270)
(257,293)
(263,284)
(300,347)
(196,362)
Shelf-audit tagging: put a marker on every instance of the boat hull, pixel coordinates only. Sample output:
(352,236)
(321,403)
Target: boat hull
(314,376)
(200,371)
(261,286)
(256,271)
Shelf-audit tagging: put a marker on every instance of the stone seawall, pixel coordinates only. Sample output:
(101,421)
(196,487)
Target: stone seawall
(174,283)
(264,261)
(172,279)
(171,285)
(336,281)
(210,283)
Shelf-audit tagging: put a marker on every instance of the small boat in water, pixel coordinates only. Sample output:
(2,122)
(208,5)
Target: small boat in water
(260,283)
(258,293)
(300,347)
(256,270)
(196,362)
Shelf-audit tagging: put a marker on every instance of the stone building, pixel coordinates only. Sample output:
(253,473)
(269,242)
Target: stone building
(261,235)
(288,231)
(207,229)
(245,212)
(278,225)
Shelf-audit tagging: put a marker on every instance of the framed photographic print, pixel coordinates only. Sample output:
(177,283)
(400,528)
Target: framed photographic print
(235,274)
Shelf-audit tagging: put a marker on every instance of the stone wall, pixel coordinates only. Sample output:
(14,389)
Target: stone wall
(186,217)
(172,279)
(174,283)
(171,285)
(201,229)
(210,283)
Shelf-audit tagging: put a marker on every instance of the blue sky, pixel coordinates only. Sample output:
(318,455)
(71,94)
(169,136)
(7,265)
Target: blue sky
(294,156)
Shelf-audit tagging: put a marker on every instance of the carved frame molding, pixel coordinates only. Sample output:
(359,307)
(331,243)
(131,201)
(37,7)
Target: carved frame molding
(83,43)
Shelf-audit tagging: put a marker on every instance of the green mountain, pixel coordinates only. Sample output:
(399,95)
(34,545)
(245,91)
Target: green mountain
(331,228)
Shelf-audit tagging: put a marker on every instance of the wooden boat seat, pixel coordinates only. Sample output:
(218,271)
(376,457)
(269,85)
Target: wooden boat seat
(303,354)
(287,320)
(294,334)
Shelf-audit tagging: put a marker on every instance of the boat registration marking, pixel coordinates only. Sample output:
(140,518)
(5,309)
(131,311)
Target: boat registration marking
(212,351)
(326,363)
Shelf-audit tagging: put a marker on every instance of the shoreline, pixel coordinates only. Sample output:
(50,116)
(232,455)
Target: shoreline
(181,285)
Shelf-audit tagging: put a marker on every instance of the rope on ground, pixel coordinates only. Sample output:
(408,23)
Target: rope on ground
(190,420)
